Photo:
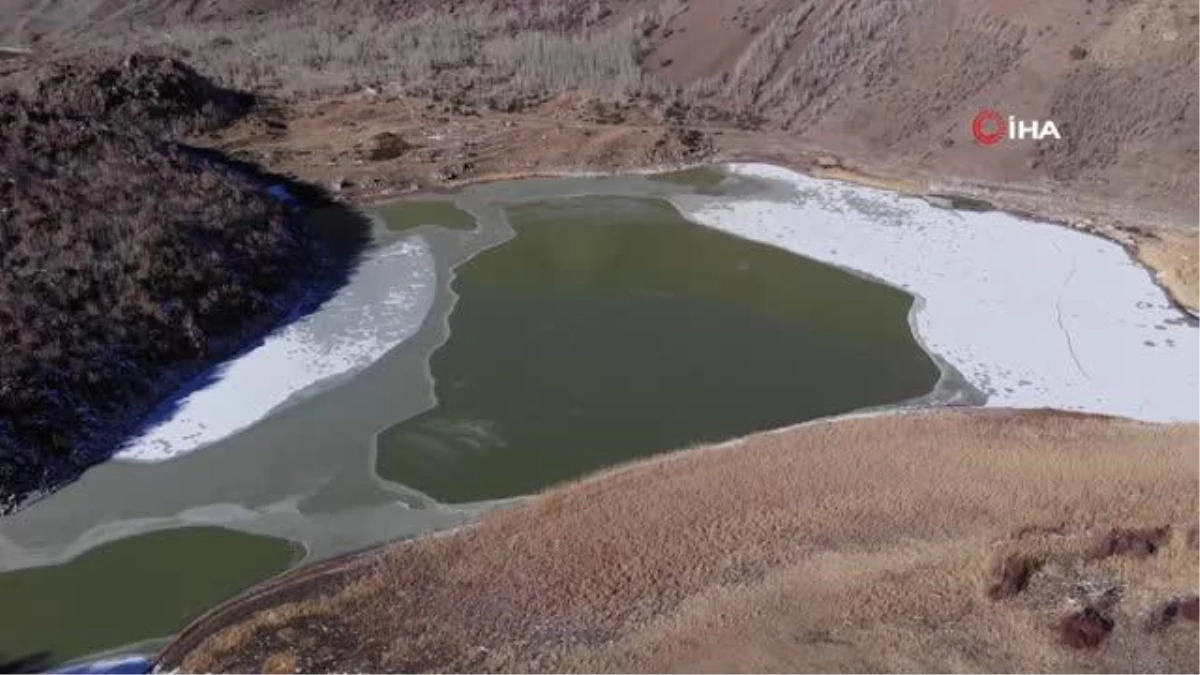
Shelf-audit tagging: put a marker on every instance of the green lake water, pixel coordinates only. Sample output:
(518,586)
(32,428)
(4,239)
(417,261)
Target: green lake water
(610,328)
(130,590)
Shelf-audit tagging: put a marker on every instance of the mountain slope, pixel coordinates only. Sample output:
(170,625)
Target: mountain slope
(126,262)
(893,83)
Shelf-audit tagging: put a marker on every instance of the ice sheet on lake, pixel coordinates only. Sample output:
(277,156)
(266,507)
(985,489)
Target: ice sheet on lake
(1034,314)
(383,303)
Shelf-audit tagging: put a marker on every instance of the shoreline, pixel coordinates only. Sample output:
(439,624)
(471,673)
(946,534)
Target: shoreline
(309,349)
(332,568)
(285,583)
(901,407)
(1006,330)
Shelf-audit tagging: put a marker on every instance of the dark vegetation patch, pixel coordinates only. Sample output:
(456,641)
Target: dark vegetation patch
(1189,608)
(1179,607)
(1084,629)
(1162,615)
(151,93)
(127,262)
(1132,542)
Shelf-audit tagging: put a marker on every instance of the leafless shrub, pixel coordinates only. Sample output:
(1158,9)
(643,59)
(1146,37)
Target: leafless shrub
(755,67)
(1101,108)
(476,52)
(541,62)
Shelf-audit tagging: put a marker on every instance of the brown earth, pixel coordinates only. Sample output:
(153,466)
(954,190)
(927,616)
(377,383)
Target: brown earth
(852,545)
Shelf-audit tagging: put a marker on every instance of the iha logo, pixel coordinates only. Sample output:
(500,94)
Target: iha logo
(990,127)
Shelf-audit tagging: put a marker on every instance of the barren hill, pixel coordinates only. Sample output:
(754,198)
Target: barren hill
(894,82)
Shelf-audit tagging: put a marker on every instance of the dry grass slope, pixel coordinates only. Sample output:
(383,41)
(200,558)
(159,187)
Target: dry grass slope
(861,544)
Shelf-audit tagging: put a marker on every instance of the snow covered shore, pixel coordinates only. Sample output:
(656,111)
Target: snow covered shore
(382,305)
(1034,314)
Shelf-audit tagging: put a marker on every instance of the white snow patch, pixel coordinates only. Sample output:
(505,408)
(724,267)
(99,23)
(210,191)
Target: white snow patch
(382,304)
(1034,314)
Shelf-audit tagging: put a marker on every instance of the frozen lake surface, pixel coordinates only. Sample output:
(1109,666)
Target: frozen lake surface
(1033,314)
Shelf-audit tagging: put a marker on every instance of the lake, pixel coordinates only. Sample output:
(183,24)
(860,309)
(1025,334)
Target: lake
(492,343)
(610,328)
(129,590)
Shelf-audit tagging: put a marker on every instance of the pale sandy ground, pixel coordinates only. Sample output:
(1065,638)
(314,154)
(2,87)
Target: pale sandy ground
(861,544)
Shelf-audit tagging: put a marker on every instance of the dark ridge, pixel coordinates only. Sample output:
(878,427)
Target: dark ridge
(1131,542)
(129,263)
(149,92)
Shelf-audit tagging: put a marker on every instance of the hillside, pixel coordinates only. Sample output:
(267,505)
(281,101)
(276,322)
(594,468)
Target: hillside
(877,91)
(126,262)
(894,83)
(976,541)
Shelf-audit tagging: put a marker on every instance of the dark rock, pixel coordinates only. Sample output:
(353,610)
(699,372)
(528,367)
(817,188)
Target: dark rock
(1163,615)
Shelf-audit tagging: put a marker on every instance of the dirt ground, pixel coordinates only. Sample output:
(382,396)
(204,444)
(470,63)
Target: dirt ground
(951,540)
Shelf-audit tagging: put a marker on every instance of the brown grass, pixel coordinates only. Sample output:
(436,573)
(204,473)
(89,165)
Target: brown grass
(861,544)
